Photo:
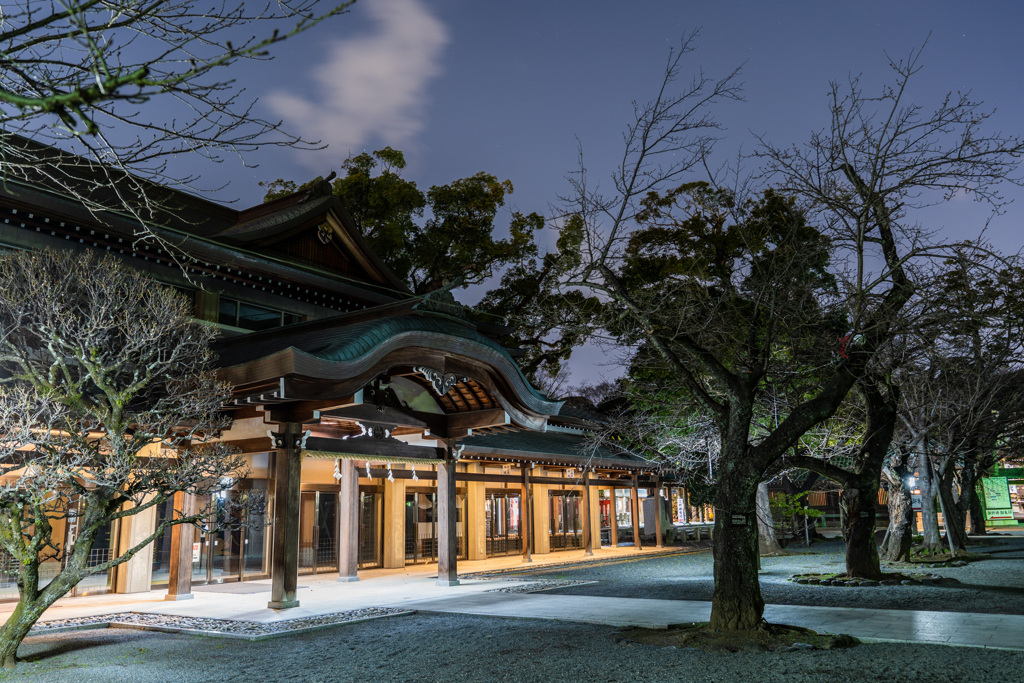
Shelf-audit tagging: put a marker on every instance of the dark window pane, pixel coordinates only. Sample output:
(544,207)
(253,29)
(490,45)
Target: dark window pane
(255,318)
(291,318)
(228,312)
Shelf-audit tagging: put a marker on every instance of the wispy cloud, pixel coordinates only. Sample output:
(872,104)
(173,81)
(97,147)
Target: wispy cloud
(371,88)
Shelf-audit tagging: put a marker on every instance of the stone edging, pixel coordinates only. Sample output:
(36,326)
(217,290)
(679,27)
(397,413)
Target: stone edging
(220,628)
(916,580)
(536,586)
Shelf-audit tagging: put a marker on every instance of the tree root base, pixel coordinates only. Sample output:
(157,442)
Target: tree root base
(766,638)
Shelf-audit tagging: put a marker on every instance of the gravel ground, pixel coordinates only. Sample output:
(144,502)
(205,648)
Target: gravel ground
(441,647)
(990,586)
(449,647)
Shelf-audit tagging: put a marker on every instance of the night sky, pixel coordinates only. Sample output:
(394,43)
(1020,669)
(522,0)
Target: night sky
(509,87)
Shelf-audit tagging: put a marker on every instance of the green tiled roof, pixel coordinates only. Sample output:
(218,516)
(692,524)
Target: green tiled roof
(556,444)
(350,343)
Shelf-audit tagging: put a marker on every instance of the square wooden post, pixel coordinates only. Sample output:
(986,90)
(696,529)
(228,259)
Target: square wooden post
(588,539)
(179,585)
(635,499)
(348,522)
(613,532)
(284,567)
(447,539)
(657,511)
(526,511)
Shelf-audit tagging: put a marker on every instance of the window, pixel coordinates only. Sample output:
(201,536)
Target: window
(248,316)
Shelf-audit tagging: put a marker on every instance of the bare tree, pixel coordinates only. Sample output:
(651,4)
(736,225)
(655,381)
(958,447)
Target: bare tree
(107,405)
(123,87)
(733,311)
(962,399)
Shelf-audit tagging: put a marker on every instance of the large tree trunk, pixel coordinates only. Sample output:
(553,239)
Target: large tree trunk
(737,604)
(968,500)
(953,517)
(767,541)
(30,608)
(861,551)
(931,539)
(900,536)
(33,602)
(977,516)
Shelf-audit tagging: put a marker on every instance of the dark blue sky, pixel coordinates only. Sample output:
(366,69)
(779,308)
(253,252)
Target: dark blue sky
(507,87)
(463,86)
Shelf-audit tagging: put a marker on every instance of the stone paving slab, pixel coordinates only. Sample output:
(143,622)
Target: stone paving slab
(954,628)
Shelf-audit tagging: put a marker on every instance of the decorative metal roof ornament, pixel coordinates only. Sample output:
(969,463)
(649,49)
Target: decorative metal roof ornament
(324,233)
(440,381)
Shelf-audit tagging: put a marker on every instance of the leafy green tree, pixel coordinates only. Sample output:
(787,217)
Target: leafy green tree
(453,246)
(445,239)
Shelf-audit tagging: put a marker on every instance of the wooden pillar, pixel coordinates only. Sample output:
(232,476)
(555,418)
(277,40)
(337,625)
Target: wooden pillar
(476,516)
(657,511)
(595,515)
(135,575)
(348,522)
(613,533)
(284,561)
(447,540)
(635,499)
(526,511)
(394,524)
(685,506)
(588,539)
(179,585)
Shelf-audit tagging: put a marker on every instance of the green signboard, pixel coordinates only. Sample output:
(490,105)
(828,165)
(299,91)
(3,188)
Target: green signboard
(997,498)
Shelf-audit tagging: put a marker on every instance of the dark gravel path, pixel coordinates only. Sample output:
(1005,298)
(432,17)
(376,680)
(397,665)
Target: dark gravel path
(991,586)
(450,647)
(438,647)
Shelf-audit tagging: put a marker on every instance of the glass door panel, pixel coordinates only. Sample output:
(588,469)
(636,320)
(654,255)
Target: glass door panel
(566,531)
(371,540)
(318,530)
(256,538)
(161,572)
(307,531)
(503,523)
(420,527)
(327,532)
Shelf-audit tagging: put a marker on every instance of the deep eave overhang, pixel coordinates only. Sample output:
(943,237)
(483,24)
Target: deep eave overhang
(211,253)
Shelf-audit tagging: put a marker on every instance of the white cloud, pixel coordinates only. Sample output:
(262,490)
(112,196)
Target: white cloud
(371,87)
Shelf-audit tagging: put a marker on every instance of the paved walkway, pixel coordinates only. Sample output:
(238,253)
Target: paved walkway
(951,628)
(415,588)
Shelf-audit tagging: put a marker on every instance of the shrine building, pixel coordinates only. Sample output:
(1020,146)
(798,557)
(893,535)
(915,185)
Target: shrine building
(386,429)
